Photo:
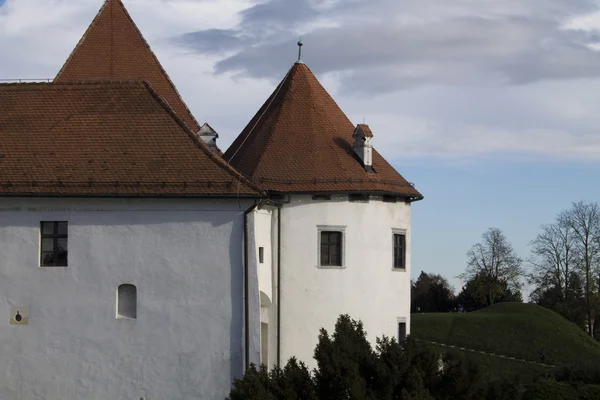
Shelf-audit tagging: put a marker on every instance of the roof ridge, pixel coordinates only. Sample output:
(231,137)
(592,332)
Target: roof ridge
(82,39)
(267,103)
(94,22)
(220,162)
(276,118)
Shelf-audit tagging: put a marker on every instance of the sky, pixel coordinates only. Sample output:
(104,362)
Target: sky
(487,106)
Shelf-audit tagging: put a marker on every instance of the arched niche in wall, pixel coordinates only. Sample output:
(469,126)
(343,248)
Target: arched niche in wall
(127,301)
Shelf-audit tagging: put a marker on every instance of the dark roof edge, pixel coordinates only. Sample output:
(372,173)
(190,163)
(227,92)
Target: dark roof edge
(130,196)
(409,197)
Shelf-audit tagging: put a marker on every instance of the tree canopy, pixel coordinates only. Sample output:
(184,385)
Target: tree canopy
(496,265)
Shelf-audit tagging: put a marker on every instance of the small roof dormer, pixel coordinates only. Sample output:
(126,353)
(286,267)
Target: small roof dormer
(362,145)
(209,136)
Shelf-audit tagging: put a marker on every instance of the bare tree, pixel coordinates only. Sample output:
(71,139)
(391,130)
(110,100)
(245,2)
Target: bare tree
(495,259)
(584,219)
(553,257)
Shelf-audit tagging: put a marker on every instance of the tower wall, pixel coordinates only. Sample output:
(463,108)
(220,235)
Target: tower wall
(366,287)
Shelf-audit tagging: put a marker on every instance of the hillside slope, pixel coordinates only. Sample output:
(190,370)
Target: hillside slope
(518,330)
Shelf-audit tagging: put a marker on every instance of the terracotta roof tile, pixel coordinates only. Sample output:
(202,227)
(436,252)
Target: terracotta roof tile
(366,130)
(113,48)
(104,139)
(301,141)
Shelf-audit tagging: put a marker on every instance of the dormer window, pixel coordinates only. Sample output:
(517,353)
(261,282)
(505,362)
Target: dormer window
(362,145)
(209,136)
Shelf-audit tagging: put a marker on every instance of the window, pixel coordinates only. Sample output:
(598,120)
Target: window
(331,248)
(401,332)
(389,199)
(54,244)
(399,251)
(358,197)
(127,301)
(324,197)
(261,255)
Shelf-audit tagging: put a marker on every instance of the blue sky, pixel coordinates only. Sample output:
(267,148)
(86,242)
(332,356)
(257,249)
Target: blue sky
(461,202)
(489,107)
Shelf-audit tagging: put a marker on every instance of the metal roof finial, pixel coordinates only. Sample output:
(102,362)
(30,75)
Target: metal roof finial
(300,51)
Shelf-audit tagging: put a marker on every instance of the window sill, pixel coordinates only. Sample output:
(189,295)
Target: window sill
(399,269)
(124,317)
(331,266)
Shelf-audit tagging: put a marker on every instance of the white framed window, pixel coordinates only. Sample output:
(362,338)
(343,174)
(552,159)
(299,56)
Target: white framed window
(331,246)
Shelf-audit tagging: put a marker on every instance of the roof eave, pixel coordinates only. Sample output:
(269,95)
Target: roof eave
(132,196)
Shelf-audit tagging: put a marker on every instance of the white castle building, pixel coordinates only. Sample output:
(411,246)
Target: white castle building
(139,260)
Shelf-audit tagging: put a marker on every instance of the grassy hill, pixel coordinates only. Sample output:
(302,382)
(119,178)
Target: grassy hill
(510,329)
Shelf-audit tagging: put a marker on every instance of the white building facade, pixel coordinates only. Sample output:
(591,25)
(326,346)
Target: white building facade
(138,260)
(184,339)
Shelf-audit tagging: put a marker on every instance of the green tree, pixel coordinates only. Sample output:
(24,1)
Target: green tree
(346,362)
(432,293)
(475,294)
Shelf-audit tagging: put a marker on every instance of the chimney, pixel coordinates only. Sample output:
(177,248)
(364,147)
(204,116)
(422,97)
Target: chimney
(208,136)
(362,145)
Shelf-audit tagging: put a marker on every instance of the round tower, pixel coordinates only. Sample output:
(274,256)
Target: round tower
(334,237)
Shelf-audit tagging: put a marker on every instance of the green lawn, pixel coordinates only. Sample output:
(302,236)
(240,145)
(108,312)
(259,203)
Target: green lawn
(510,329)
(494,368)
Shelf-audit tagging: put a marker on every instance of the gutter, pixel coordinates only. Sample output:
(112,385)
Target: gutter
(279,286)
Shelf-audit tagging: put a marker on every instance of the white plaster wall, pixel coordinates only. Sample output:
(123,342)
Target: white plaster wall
(184,256)
(264,235)
(367,288)
(262,238)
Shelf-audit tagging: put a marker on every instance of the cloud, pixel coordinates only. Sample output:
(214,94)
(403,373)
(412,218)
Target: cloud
(433,78)
(384,45)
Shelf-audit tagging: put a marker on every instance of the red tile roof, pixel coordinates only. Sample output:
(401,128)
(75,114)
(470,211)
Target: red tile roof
(366,130)
(301,141)
(113,48)
(104,139)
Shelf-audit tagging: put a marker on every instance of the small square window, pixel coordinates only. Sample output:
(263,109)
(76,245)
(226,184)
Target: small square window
(54,249)
(331,248)
(261,255)
(399,251)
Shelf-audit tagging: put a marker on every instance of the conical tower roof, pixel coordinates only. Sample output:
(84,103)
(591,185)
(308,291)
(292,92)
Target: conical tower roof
(113,48)
(301,141)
